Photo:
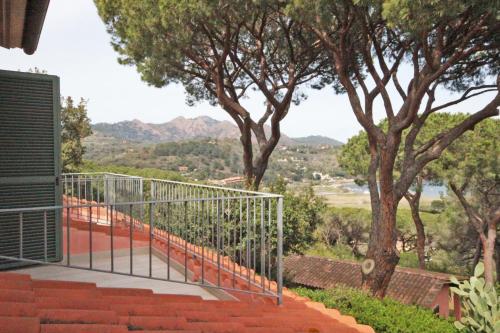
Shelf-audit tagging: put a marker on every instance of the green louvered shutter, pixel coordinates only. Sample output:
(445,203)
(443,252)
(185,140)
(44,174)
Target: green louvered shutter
(29,164)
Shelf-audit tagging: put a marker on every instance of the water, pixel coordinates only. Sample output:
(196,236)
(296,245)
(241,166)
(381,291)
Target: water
(429,191)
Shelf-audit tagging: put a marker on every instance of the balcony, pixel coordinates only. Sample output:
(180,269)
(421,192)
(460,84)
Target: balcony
(222,243)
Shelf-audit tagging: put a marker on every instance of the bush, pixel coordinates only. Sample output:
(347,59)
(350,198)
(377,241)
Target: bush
(480,302)
(384,316)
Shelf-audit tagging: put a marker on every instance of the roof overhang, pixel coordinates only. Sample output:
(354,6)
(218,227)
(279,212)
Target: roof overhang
(21,23)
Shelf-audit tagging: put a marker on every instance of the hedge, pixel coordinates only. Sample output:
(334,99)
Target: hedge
(384,316)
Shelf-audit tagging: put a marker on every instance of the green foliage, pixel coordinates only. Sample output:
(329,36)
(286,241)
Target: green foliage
(141,172)
(302,212)
(481,304)
(196,148)
(338,251)
(384,316)
(75,126)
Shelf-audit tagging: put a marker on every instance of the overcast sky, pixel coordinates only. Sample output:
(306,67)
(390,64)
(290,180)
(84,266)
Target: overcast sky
(75,46)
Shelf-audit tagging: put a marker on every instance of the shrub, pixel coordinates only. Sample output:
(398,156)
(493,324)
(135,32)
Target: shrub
(384,316)
(480,303)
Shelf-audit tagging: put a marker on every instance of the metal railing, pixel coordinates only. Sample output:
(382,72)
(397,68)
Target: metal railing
(215,237)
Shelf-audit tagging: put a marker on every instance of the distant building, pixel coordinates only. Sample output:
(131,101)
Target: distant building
(183,168)
(408,286)
(228,181)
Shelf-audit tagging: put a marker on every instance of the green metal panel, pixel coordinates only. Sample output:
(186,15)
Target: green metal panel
(30,164)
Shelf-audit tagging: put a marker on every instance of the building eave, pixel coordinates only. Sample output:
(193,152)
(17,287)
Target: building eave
(21,23)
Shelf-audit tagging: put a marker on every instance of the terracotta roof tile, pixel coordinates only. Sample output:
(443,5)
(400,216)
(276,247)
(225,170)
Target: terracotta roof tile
(409,286)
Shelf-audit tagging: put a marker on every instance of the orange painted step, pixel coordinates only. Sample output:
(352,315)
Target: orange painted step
(157,323)
(19,325)
(125,291)
(14,309)
(267,330)
(77,316)
(54,284)
(83,328)
(173,331)
(71,303)
(217,327)
(179,298)
(156,310)
(14,276)
(16,284)
(50,292)
(23,296)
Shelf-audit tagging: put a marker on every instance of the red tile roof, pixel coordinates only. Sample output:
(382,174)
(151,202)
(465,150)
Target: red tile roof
(409,286)
(41,306)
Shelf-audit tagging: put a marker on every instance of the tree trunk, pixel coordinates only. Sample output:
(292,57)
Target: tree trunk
(414,202)
(488,242)
(497,255)
(246,142)
(477,254)
(382,246)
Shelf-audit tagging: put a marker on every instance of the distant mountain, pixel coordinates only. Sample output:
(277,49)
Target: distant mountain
(178,129)
(181,129)
(318,140)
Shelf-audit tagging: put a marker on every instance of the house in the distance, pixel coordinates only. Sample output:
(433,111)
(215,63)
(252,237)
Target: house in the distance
(408,286)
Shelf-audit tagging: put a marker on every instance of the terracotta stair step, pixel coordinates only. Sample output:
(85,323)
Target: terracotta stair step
(77,316)
(71,303)
(179,298)
(83,328)
(154,323)
(125,291)
(16,284)
(59,292)
(14,276)
(156,310)
(14,309)
(172,331)
(266,330)
(54,284)
(23,296)
(226,327)
(19,325)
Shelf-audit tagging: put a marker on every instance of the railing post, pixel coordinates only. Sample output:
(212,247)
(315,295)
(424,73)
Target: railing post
(45,236)
(151,229)
(280,250)
(21,235)
(111,239)
(68,228)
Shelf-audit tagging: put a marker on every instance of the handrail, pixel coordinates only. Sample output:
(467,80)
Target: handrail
(236,233)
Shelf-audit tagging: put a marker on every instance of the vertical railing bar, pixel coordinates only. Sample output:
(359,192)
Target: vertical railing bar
(151,230)
(68,228)
(98,198)
(218,241)
(45,235)
(234,251)
(241,233)
(111,240)
(202,242)
(185,241)
(21,227)
(279,259)
(248,242)
(131,241)
(168,239)
(262,245)
(269,252)
(90,237)
(254,236)
(223,230)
